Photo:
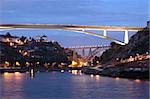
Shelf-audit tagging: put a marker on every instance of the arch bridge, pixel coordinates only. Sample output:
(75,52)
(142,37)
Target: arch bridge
(91,51)
(78,28)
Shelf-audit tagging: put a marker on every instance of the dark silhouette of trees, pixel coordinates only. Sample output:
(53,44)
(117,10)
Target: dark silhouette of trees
(23,38)
(8,34)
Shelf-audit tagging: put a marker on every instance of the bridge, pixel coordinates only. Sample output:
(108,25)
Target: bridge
(85,29)
(78,28)
(91,50)
(87,47)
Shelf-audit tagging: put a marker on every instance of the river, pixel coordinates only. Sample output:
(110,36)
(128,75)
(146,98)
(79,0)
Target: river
(57,85)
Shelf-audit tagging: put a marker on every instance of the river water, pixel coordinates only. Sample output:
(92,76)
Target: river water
(57,85)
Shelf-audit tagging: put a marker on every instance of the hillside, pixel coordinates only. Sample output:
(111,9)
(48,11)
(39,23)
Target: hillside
(35,51)
(138,44)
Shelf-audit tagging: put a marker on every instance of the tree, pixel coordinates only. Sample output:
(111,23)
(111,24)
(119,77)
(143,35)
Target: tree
(23,38)
(8,34)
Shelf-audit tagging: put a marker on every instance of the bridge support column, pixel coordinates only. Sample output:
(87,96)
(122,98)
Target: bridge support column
(90,51)
(126,37)
(74,56)
(104,33)
(83,52)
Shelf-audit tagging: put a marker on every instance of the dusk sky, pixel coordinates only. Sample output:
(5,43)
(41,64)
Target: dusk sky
(86,12)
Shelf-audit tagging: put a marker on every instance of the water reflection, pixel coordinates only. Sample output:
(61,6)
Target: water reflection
(137,81)
(56,85)
(32,73)
(117,78)
(7,76)
(11,85)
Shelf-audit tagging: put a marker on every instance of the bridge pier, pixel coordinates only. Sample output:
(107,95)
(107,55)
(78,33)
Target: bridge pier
(126,37)
(83,52)
(74,56)
(104,33)
(90,51)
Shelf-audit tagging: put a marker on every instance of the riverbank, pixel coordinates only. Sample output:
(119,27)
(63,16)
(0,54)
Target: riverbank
(132,70)
(22,70)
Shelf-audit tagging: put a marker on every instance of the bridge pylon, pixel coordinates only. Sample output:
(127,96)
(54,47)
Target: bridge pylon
(126,37)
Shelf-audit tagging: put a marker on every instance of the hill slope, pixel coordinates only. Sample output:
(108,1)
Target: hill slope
(138,44)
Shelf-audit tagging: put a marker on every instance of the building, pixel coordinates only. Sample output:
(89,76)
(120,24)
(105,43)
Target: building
(10,39)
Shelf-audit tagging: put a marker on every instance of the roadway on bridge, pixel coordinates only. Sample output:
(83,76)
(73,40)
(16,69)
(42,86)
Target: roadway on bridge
(58,26)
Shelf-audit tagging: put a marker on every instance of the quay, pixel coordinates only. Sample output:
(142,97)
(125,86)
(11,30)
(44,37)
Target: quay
(132,70)
(12,70)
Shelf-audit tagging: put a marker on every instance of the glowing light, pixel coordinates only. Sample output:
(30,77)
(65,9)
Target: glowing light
(117,78)
(7,40)
(75,72)
(97,62)
(11,44)
(17,63)
(7,63)
(17,73)
(25,53)
(7,76)
(27,63)
(91,75)
(19,51)
(62,71)
(74,63)
(82,63)
(85,63)
(6,73)
(97,76)
(37,62)
(137,81)
(32,71)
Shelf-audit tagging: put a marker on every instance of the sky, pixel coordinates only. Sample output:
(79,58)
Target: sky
(81,12)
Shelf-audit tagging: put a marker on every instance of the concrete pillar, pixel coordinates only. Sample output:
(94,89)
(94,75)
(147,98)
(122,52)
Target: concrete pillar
(90,51)
(74,56)
(104,33)
(148,24)
(83,52)
(126,37)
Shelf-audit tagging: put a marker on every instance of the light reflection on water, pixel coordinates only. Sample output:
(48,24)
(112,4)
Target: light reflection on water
(56,85)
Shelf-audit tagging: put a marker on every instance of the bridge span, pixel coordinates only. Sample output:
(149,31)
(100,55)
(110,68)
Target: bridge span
(78,28)
(87,47)
(92,51)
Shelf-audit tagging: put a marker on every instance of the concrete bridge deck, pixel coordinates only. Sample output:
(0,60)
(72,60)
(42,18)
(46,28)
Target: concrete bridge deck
(58,26)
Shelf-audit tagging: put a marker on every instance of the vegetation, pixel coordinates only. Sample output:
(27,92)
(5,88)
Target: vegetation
(34,53)
(138,44)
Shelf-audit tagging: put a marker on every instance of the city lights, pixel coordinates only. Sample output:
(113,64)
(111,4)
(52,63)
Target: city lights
(17,63)
(117,78)
(62,71)
(92,75)
(7,63)
(17,73)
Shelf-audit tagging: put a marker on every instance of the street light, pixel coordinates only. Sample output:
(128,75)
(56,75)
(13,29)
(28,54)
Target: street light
(17,63)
